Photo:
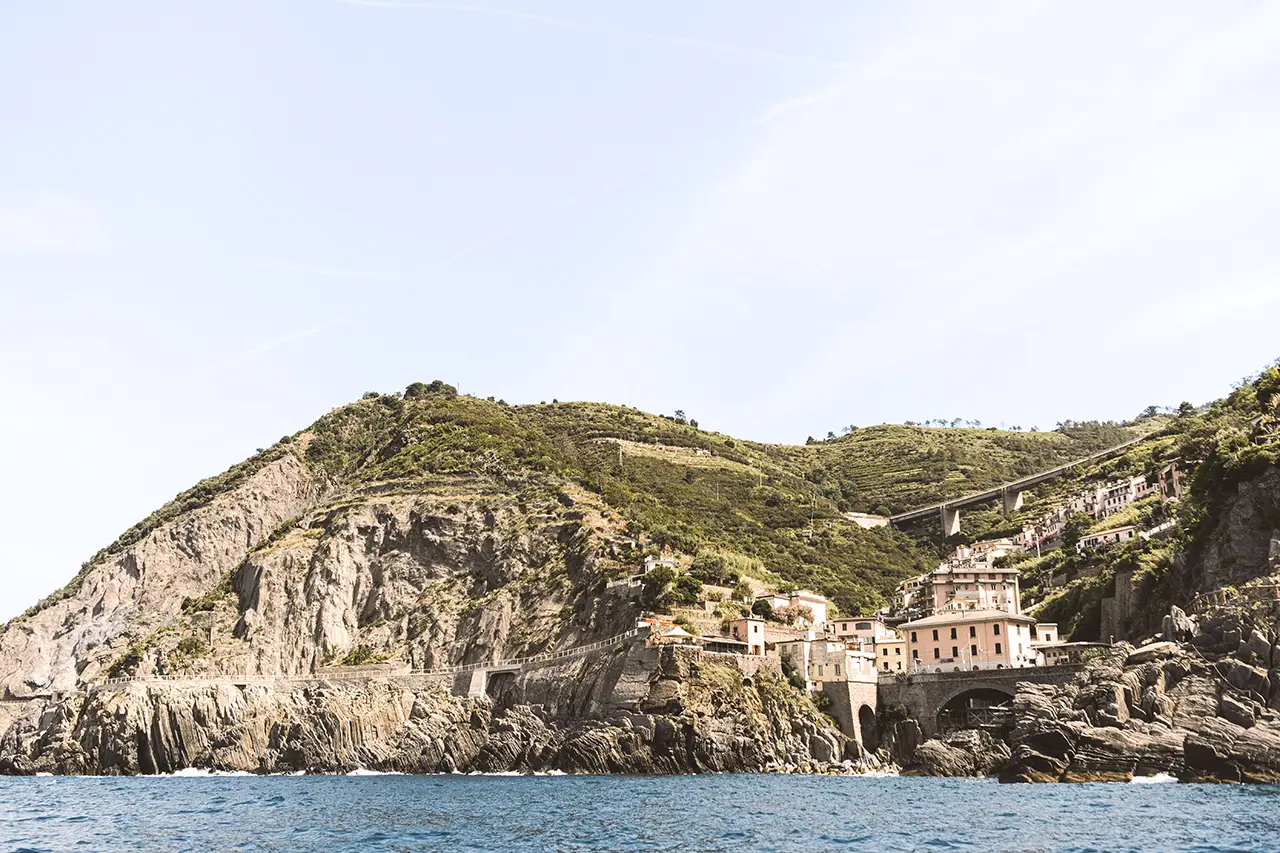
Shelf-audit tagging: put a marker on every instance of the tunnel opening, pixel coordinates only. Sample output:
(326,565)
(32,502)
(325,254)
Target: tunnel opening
(867,727)
(980,708)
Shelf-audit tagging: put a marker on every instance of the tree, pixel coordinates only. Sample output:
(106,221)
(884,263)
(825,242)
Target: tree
(810,440)
(1150,411)
(1185,409)
(763,609)
(693,423)
(657,588)
(710,568)
(688,590)
(831,436)
(743,592)
(1074,528)
(793,613)
(680,416)
(436,387)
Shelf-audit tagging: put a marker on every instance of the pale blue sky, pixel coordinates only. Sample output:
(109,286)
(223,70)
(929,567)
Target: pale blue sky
(219,220)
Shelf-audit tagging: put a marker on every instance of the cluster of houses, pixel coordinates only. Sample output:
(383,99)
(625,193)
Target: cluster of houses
(964,615)
(1098,503)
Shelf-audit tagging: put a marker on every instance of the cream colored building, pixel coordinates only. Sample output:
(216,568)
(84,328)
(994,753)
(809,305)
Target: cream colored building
(865,630)
(817,604)
(964,639)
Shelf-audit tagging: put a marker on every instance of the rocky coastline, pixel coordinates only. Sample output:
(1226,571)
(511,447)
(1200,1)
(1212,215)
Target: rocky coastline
(1200,706)
(634,710)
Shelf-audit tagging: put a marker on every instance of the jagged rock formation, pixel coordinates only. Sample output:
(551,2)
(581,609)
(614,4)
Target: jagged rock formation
(632,710)
(1205,710)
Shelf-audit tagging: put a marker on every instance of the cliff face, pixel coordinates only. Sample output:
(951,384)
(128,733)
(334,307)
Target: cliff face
(140,589)
(629,710)
(1240,547)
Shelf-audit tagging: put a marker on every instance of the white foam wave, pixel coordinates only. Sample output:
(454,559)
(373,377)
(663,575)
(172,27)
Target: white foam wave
(1157,779)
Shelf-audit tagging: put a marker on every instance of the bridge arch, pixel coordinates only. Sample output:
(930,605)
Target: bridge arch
(976,705)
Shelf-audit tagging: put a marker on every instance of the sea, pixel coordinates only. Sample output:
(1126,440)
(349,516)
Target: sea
(741,813)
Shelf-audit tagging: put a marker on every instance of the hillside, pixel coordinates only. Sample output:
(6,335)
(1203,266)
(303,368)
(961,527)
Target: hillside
(432,527)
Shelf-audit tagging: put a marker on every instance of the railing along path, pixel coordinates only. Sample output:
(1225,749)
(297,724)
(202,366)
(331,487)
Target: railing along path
(366,674)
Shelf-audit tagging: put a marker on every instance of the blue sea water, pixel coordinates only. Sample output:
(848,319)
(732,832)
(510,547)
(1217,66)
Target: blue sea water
(740,813)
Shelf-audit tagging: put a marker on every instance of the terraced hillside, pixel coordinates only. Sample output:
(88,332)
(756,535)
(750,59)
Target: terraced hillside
(662,483)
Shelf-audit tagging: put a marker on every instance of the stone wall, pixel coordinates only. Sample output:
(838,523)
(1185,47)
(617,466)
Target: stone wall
(847,698)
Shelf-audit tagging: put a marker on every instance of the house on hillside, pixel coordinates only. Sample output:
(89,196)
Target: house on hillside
(817,605)
(1104,538)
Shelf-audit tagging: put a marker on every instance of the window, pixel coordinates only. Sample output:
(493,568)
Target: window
(973,630)
(935,635)
(953,633)
(973,650)
(819,669)
(899,664)
(897,650)
(837,669)
(937,653)
(997,627)
(844,626)
(755,628)
(955,651)
(913,636)
(886,652)
(1048,638)
(915,654)
(998,648)
(863,626)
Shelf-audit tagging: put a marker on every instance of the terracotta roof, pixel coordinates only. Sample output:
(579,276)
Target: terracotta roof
(952,617)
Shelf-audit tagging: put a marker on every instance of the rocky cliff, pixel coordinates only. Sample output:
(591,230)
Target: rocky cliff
(419,535)
(628,710)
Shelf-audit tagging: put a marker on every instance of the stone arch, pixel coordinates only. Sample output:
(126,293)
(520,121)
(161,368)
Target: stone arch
(500,685)
(867,728)
(975,705)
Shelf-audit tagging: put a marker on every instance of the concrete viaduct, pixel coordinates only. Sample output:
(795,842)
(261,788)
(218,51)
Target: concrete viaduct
(1010,493)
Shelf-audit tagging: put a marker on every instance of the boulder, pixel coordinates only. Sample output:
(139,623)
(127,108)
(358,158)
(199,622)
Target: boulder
(1153,651)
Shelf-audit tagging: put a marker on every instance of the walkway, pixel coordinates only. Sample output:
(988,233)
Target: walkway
(367,673)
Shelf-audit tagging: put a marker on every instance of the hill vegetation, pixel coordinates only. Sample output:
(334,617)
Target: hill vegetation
(673,486)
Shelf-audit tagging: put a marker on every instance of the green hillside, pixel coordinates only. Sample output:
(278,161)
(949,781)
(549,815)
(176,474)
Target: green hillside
(666,483)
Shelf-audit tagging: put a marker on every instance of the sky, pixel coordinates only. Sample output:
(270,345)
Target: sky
(220,220)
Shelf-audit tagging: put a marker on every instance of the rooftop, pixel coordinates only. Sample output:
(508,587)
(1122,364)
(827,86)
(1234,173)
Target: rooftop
(953,617)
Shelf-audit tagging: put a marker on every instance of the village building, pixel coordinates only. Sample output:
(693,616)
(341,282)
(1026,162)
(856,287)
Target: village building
(862,630)
(820,660)
(1045,632)
(968,583)
(1104,538)
(889,654)
(963,639)
(817,605)
(1060,654)
(751,632)
(651,563)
